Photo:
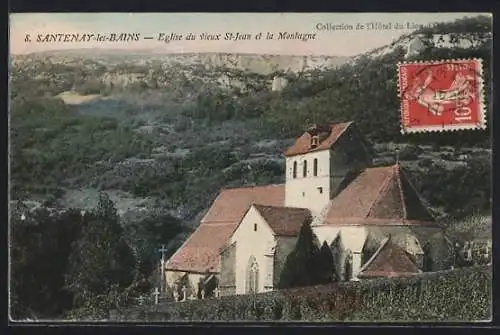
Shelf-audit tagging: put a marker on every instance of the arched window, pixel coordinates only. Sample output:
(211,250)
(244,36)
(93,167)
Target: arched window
(304,173)
(315,167)
(294,170)
(252,280)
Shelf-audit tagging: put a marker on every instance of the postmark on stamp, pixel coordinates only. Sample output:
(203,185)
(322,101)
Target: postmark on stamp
(441,95)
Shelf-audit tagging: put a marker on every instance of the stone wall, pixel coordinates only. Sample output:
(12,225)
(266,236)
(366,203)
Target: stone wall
(310,191)
(255,240)
(227,283)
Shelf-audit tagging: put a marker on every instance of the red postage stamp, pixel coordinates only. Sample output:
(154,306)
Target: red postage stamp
(441,95)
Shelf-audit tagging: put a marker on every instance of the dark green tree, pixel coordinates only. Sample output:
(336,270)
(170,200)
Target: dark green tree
(438,255)
(102,263)
(299,268)
(23,255)
(325,267)
(40,247)
(147,234)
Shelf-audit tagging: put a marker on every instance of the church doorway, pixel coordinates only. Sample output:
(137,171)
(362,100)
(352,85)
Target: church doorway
(252,277)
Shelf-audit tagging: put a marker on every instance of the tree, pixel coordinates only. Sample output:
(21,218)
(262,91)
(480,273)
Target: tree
(23,251)
(41,245)
(102,263)
(147,234)
(325,267)
(299,268)
(438,255)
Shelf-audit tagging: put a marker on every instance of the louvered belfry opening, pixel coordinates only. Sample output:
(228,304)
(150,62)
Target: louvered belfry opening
(314,141)
(318,133)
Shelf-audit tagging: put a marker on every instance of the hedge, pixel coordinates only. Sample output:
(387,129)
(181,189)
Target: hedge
(460,295)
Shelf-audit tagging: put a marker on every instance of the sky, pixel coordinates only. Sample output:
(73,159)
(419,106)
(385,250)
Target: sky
(328,41)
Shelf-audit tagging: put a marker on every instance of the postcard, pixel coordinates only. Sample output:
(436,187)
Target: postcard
(250,167)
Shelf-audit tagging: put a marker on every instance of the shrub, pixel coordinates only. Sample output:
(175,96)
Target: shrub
(453,295)
(410,152)
(425,163)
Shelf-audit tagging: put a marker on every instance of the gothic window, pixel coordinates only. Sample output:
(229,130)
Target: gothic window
(294,169)
(254,227)
(315,167)
(304,173)
(252,282)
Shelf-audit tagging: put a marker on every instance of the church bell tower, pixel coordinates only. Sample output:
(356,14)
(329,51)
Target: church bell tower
(319,162)
(308,172)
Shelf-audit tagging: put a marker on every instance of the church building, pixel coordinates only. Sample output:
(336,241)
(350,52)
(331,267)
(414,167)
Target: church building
(371,217)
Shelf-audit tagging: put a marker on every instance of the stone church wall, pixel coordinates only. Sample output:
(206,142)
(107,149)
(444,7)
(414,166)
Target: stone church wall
(310,191)
(341,258)
(254,239)
(227,284)
(344,241)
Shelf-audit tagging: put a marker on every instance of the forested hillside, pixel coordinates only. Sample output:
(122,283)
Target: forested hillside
(145,136)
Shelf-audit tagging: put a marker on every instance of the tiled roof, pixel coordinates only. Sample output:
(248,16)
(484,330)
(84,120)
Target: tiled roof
(390,260)
(284,221)
(303,143)
(379,196)
(200,252)
(409,243)
(232,204)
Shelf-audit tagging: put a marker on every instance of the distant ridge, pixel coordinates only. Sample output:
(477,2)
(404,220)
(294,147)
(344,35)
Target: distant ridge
(154,51)
(257,63)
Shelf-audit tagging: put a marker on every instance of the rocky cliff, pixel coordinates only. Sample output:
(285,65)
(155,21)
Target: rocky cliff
(261,64)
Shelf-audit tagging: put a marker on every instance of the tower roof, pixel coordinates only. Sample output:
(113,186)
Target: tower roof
(380,195)
(328,135)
